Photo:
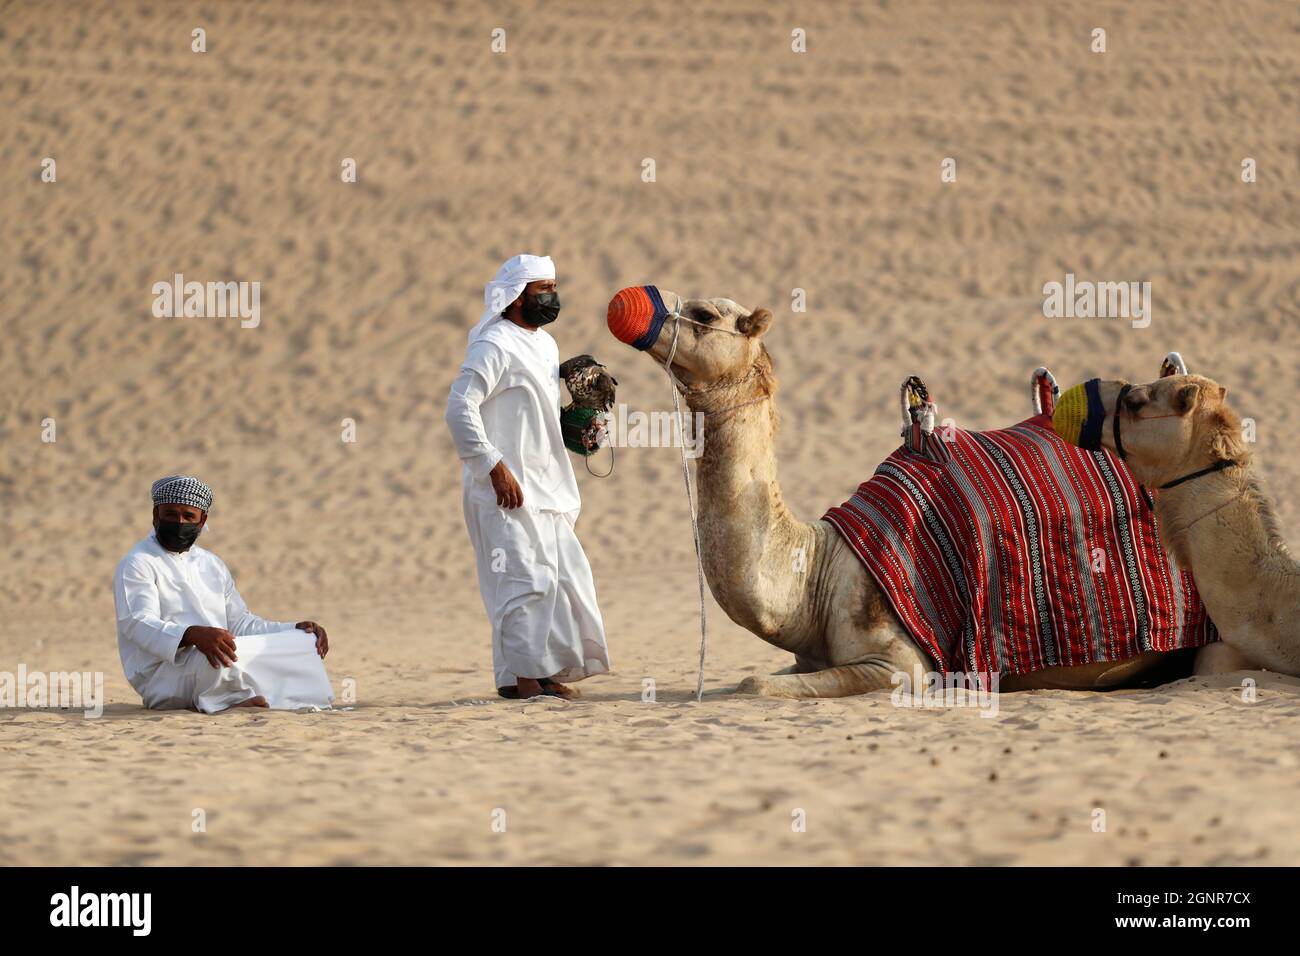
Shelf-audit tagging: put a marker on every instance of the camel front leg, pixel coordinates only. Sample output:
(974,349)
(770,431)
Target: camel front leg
(1220,658)
(846,680)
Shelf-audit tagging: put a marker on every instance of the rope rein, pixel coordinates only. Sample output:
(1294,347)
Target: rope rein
(690,497)
(678,388)
(1236,496)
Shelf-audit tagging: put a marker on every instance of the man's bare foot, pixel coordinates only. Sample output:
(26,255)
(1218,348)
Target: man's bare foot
(564,690)
(258,701)
(528,687)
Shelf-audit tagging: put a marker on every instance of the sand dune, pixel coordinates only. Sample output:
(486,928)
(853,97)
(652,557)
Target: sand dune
(775,171)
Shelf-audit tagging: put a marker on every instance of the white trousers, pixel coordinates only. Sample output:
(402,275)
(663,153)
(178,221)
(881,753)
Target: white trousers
(538,592)
(282,667)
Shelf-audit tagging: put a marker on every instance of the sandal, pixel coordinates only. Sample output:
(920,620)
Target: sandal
(512,692)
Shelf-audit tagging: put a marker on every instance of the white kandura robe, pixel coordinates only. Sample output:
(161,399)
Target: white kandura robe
(534,578)
(161,593)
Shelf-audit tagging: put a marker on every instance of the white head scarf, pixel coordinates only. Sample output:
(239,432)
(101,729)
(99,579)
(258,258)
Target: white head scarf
(510,280)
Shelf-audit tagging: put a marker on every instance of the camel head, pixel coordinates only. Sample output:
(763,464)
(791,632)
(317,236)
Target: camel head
(1169,428)
(718,341)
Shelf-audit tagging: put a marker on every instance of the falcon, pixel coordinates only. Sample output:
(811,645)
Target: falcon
(590,384)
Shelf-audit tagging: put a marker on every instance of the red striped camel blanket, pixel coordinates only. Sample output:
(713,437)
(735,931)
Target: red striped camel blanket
(1008,551)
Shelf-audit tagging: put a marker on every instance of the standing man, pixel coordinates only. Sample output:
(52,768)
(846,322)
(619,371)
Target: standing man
(520,494)
(186,637)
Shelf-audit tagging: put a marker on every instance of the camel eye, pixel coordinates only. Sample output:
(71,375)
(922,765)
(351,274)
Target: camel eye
(1135,400)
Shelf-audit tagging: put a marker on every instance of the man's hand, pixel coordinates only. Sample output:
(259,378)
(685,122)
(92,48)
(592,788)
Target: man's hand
(215,643)
(509,494)
(322,641)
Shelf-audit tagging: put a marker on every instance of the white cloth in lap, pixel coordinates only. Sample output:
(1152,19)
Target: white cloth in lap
(284,668)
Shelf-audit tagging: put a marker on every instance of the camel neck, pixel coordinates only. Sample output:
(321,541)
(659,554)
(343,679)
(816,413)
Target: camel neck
(1250,586)
(739,458)
(756,554)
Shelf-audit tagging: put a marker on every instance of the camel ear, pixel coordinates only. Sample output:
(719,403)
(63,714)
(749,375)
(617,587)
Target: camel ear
(1185,398)
(754,324)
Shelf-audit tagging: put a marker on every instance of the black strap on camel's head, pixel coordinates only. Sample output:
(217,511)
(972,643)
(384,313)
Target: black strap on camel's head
(1219,465)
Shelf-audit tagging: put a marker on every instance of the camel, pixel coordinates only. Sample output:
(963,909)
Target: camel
(795,584)
(1216,518)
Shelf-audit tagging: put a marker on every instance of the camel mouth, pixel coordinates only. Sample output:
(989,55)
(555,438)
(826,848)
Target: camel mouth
(677,370)
(684,377)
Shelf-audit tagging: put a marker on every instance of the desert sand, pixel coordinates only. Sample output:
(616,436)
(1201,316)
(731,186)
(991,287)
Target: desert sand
(775,171)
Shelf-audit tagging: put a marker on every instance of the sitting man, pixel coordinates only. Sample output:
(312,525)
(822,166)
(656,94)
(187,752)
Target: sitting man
(186,637)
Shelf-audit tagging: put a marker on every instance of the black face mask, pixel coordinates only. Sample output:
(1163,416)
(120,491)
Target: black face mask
(542,309)
(177,535)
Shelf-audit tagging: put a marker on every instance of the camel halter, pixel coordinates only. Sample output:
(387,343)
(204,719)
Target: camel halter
(1219,465)
(678,389)
(717,386)
(1174,365)
(1080,417)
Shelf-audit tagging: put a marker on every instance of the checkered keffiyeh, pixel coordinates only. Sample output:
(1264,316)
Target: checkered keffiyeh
(182,490)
